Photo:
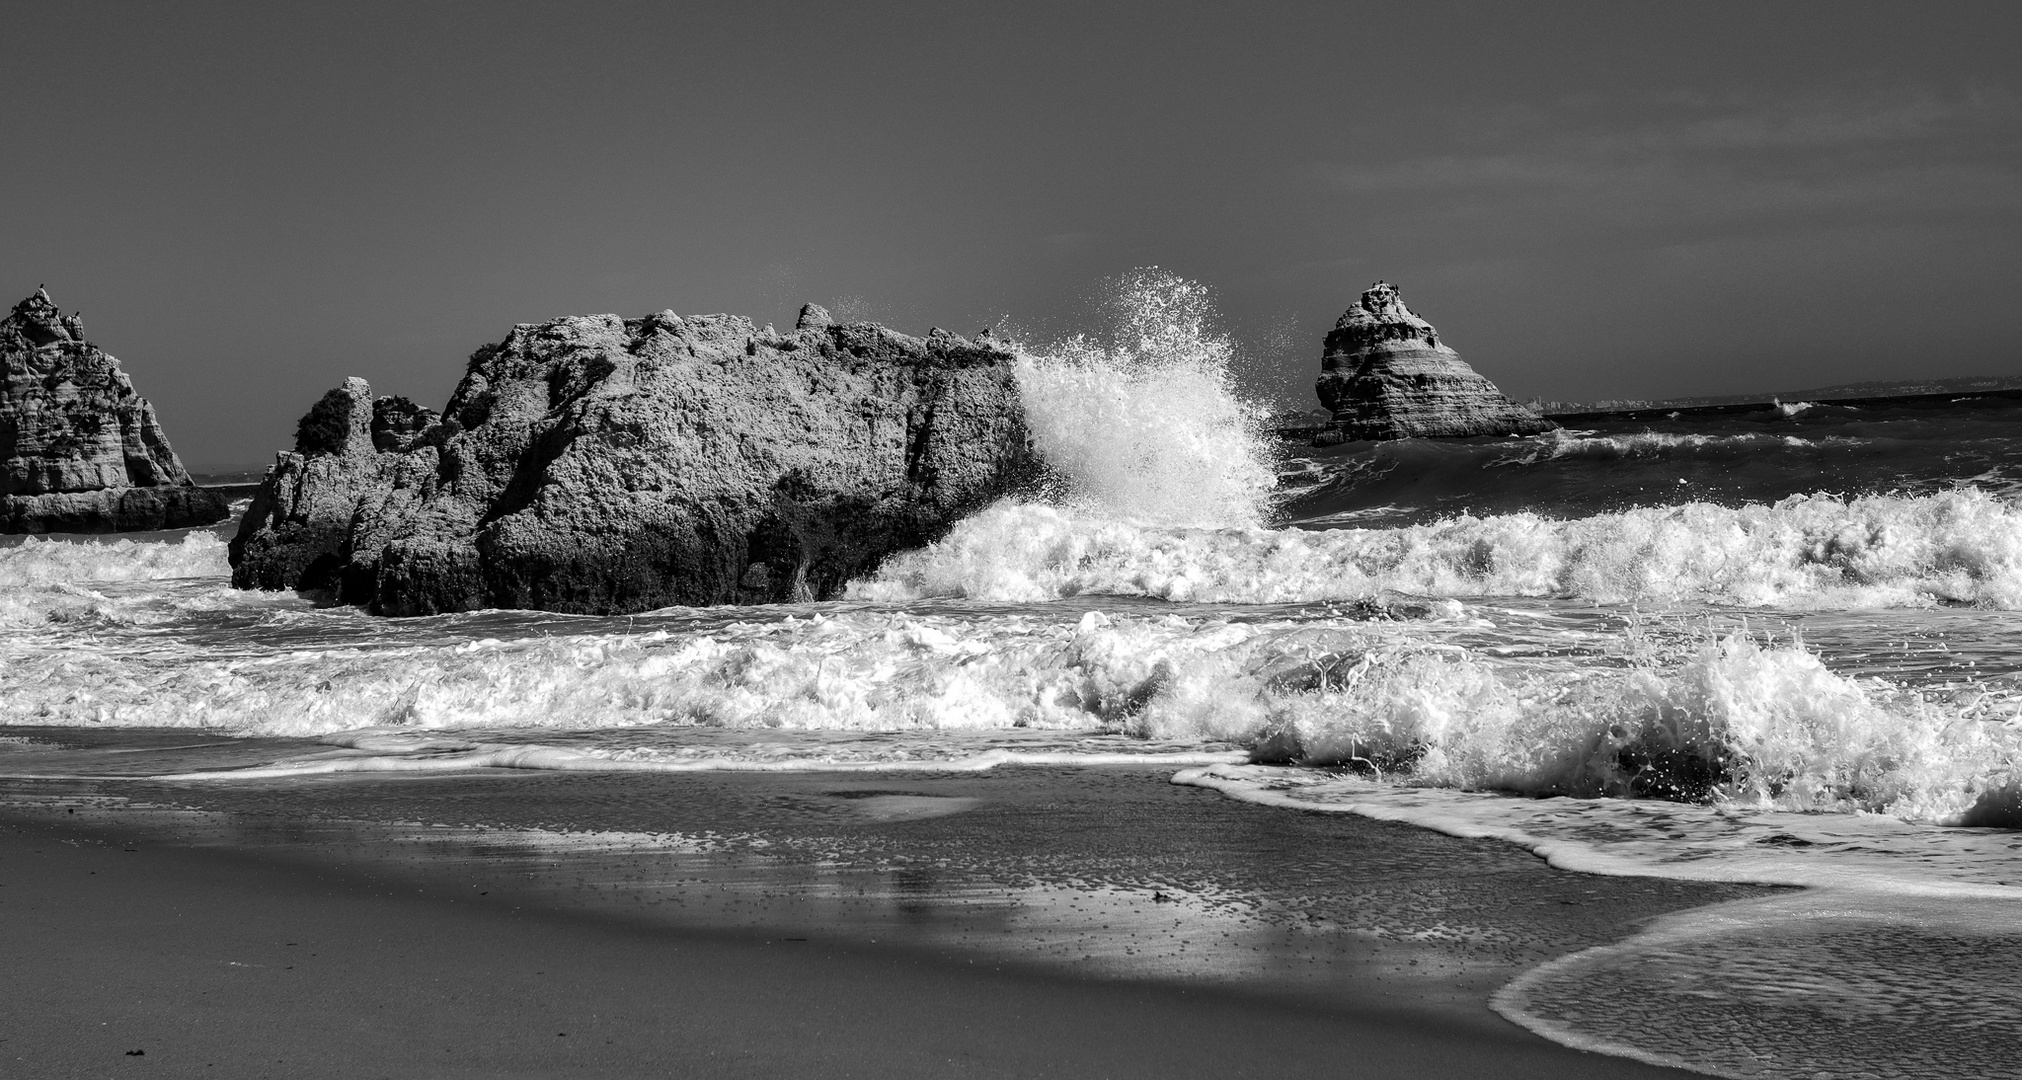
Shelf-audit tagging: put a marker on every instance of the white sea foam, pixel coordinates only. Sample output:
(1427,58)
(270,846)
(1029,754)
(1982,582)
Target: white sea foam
(1144,421)
(45,581)
(395,759)
(1166,483)
(1689,716)
(1570,443)
(1871,853)
(1840,983)
(1815,551)
(1906,930)
(38,562)
(848,671)
(1737,723)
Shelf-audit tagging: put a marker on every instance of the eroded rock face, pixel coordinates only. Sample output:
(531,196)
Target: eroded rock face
(604,465)
(1386,375)
(80,451)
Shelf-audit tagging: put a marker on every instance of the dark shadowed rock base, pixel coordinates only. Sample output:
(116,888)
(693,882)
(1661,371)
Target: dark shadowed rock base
(604,465)
(132,509)
(1387,376)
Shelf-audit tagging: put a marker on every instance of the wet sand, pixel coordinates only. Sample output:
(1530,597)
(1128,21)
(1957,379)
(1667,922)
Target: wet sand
(1022,923)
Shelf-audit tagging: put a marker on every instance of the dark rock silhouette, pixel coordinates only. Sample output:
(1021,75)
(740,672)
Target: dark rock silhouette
(604,465)
(1386,375)
(80,451)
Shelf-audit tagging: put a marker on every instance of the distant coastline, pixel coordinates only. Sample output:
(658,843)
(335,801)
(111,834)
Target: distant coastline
(227,475)
(1872,390)
(1903,393)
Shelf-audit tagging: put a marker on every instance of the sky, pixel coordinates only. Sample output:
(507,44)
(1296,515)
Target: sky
(250,202)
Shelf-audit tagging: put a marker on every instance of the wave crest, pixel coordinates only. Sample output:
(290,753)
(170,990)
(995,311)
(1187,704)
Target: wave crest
(1736,722)
(1813,551)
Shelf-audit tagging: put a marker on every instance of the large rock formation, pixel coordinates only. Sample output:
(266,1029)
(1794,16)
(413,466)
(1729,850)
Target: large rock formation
(605,465)
(79,450)
(1386,376)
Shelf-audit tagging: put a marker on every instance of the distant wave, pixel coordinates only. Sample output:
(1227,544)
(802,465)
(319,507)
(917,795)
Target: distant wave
(1565,443)
(1815,551)
(1730,460)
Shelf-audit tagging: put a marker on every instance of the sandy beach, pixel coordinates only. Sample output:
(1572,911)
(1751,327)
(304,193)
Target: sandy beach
(321,931)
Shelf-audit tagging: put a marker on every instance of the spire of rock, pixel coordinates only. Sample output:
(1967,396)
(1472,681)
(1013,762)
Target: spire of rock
(37,319)
(1386,375)
(84,452)
(814,317)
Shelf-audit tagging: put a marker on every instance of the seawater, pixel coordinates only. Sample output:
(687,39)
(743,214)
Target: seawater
(1781,647)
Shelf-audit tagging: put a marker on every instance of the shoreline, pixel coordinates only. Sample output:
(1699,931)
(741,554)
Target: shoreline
(939,976)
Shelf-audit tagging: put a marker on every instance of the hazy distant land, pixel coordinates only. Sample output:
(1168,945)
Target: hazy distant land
(1873,388)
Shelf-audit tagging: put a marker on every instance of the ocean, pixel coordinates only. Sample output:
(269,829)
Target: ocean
(1775,652)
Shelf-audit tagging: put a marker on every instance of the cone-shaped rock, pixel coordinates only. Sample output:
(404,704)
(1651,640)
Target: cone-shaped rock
(605,465)
(1386,375)
(79,450)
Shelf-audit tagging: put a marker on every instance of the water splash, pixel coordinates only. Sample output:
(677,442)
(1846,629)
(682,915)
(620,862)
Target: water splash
(1142,421)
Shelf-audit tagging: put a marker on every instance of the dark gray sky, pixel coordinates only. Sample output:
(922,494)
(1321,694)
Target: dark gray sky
(251,201)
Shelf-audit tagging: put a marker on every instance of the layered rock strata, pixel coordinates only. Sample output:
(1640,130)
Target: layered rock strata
(1386,375)
(80,451)
(605,465)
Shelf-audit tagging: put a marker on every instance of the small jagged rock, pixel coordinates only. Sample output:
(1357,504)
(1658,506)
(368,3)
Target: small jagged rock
(1386,375)
(603,465)
(80,451)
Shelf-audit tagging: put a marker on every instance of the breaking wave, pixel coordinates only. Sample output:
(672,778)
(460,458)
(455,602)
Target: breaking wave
(64,581)
(1813,551)
(37,563)
(1144,421)
(1165,484)
(1694,716)
(1736,723)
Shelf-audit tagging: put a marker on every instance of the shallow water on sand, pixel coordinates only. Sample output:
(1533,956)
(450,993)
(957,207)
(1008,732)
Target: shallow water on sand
(1107,872)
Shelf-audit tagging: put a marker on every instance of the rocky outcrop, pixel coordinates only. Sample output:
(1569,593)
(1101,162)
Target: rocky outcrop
(1386,375)
(79,450)
(605,465)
